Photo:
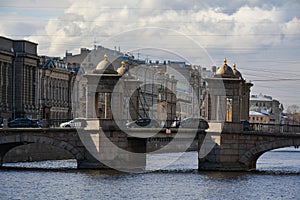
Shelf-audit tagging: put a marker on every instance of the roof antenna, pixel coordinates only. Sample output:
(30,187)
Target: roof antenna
(95,43)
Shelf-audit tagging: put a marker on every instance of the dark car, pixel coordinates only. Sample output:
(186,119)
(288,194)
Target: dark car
(147,123)
(194,123)
(22,123)
(246,125)
(38,122)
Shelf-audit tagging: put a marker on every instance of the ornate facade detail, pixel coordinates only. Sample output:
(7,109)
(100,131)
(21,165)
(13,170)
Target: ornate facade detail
(56,81)
(18,79)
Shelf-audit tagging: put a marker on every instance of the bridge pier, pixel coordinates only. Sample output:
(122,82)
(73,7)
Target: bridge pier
(219,153)
(224,152)
(112,149)
(89,162)
(130,159)
(239,151)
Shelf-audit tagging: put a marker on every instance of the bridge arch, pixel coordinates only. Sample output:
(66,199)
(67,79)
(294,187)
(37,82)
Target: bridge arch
(250,157)
(11,141)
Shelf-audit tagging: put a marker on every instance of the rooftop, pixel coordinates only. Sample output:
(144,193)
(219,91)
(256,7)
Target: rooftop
(254,113)
(260,97)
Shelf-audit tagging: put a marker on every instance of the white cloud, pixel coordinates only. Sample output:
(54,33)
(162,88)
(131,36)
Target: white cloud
(265,31)
(222,24)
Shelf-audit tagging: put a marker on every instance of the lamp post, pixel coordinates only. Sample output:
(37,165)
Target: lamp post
(145,81)
(152,89)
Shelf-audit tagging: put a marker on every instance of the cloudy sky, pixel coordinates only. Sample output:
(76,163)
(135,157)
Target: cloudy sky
(262,37)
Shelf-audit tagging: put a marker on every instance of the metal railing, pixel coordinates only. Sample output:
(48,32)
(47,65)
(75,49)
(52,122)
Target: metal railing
(274,128)
(52,123)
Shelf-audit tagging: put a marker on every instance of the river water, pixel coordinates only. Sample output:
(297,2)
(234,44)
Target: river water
(277,177)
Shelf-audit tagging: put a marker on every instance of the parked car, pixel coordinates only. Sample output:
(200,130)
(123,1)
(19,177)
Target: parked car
(22,123)
(38,122)
(246,125)
(175,124)
(196,123)
(149,123)
(74,123)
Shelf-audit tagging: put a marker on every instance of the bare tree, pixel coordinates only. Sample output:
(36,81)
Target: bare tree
(293,109)
(293,113)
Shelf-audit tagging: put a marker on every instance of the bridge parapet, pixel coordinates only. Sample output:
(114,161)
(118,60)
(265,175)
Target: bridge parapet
(275,128)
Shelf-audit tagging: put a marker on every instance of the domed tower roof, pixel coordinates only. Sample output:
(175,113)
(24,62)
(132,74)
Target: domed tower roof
(105,67)
(224,71)
(236,73)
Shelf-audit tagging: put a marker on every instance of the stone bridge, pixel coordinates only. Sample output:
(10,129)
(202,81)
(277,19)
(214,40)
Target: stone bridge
(240,151)
(81,148)
(226,151)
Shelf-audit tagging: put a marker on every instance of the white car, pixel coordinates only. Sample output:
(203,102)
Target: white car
(74,123)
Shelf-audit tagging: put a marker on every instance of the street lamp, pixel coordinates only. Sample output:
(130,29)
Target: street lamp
(145,81)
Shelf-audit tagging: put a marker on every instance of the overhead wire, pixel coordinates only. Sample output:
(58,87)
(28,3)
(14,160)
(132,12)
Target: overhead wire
(131,8)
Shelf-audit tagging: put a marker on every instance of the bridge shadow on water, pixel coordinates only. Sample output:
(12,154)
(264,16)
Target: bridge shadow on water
(276,162)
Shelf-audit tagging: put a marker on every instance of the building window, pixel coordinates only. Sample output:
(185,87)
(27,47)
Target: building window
(228,109)
(83,92)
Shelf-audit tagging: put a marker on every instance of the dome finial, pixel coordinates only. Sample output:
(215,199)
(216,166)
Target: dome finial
(105,57)
(123,63)
(122,70)
(234,66)
(225,61)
